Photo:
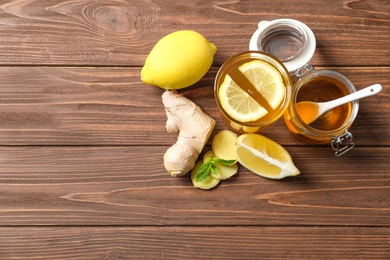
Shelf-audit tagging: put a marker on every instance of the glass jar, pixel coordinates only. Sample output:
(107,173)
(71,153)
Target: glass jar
(331,127)
(294,44)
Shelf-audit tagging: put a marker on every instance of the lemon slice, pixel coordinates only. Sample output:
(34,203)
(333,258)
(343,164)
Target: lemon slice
(264,157)
(266,79)
(240,105)
(237,103)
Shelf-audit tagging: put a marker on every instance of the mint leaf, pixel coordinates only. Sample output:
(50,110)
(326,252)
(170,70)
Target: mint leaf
(204,171)
(210,167)
(213,168)
(223,161)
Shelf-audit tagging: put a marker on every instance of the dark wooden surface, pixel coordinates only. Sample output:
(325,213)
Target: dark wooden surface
(82,138)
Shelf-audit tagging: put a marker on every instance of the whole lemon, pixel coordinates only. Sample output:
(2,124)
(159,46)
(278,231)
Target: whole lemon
(178,60)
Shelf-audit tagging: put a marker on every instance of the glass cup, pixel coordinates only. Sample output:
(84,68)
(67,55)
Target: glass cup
(230,67)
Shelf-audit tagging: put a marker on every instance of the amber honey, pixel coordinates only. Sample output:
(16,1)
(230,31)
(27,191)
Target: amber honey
(323,89)
(322,86)
(230,67)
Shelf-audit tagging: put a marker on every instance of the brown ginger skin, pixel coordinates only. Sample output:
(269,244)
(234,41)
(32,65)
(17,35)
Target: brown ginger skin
(195,128)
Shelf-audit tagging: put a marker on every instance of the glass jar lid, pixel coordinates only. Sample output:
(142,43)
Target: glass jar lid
(291,41)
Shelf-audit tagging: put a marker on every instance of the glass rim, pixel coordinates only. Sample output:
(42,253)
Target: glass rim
(274,29)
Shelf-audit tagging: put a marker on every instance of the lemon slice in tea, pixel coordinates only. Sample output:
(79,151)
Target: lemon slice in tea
(239,104)
(266,79)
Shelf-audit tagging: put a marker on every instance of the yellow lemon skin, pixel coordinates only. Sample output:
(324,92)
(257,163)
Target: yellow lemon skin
(178,60)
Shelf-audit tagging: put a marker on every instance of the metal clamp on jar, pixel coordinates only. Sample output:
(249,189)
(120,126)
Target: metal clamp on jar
(294,43)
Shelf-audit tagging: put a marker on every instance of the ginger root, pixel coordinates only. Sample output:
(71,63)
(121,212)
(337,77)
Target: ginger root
(224,144)
(195,128)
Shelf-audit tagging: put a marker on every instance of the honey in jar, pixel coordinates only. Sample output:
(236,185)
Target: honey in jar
(322,86)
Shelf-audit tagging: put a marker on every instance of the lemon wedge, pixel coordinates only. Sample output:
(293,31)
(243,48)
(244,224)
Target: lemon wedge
(239,104)
(264,157)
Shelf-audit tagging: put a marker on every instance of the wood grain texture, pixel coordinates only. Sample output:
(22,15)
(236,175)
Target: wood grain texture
(128,186)
(82,138)
(195,243)
(111,106)
(122,32)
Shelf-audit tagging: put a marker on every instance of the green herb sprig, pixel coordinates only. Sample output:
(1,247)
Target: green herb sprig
(210,166)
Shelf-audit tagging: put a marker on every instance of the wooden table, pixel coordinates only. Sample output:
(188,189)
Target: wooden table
(82,138)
